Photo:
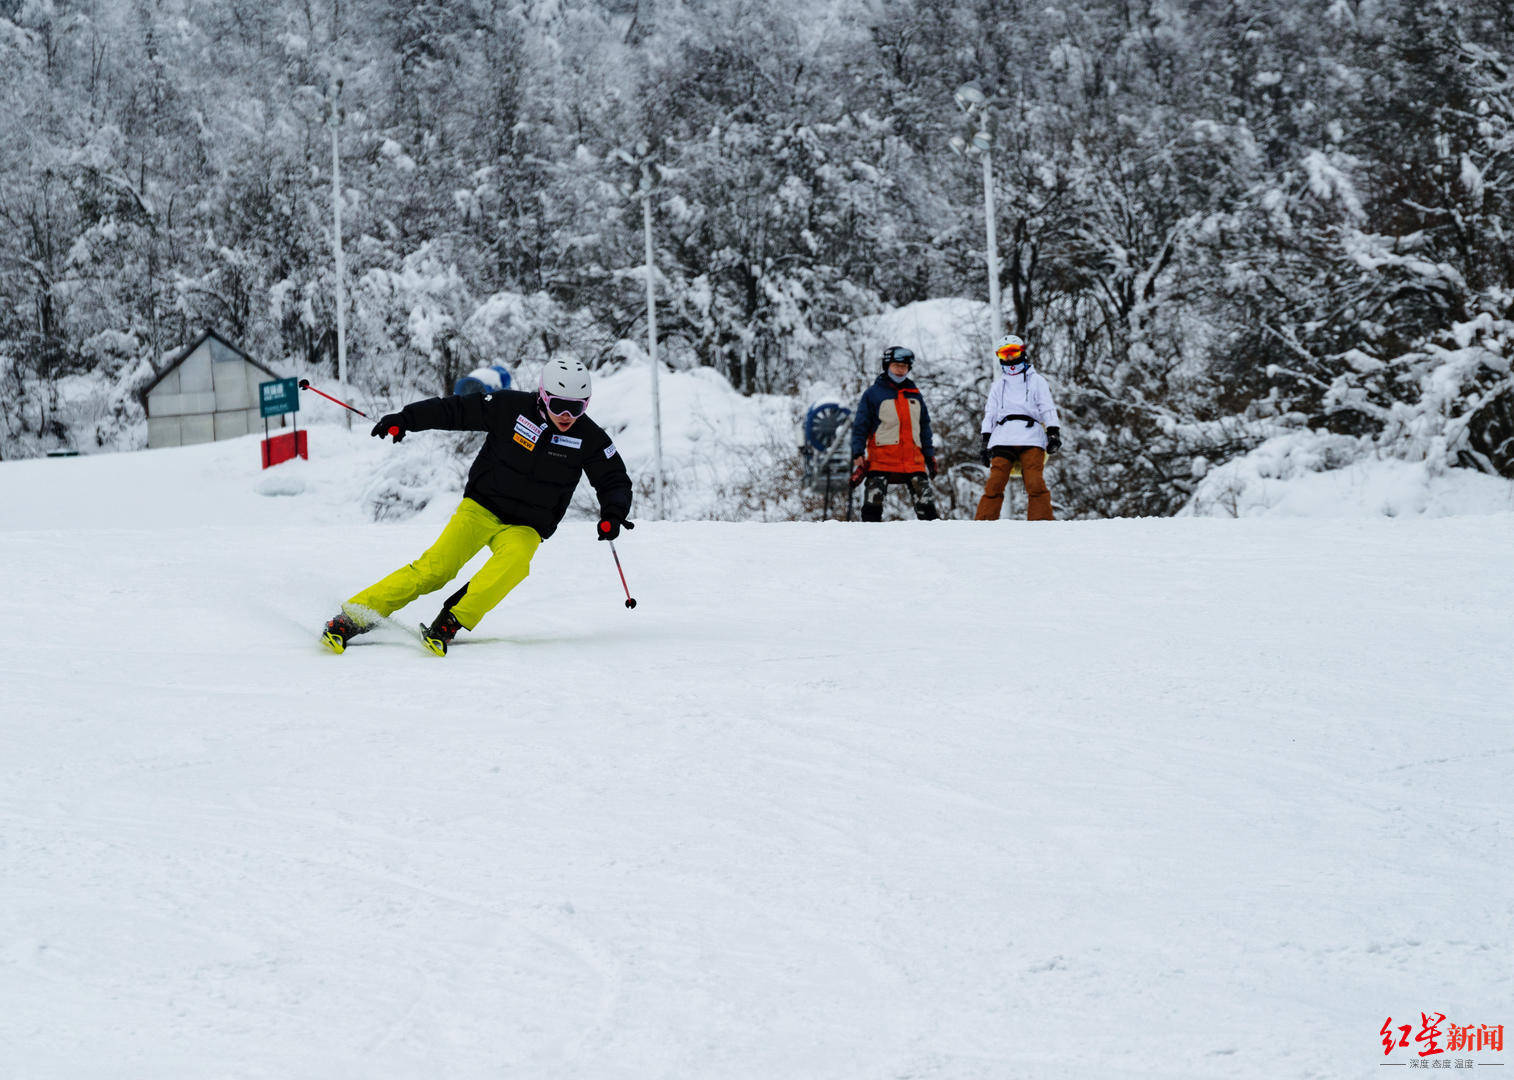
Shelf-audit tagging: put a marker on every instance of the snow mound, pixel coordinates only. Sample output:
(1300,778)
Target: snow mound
(1316,475)
(717,445)
(950,338)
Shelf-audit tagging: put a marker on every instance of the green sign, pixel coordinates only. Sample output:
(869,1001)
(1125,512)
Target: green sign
(278,397)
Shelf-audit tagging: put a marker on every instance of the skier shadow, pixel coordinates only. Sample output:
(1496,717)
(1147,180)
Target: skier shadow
(536,640)
(394,637)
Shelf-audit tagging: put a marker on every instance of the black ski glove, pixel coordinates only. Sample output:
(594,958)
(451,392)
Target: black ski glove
(983,454)
(393,424)
(1053,440)
(609,527)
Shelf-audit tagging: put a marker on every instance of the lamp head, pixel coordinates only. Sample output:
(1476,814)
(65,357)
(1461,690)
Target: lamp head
(969,97)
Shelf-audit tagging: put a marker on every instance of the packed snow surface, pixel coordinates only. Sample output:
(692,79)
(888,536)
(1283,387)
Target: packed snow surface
(1178,798)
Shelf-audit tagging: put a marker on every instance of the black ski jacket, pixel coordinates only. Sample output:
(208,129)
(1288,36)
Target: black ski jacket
(527,470)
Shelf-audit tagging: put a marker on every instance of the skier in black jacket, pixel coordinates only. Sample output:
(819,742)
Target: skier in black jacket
(517,493)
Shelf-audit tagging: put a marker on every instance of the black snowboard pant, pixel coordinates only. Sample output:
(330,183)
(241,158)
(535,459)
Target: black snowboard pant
(877,483)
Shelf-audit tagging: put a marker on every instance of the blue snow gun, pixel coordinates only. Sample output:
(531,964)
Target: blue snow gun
(484,380)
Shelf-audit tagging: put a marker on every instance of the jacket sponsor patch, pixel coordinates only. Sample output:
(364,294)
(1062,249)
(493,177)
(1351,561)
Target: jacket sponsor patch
(567,440)
(526,433)
(610,450)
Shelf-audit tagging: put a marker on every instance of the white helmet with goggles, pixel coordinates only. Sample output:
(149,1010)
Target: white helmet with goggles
(564,387)
(1010,351)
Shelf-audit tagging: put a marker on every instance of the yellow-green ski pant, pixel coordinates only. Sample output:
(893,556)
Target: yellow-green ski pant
(470,529)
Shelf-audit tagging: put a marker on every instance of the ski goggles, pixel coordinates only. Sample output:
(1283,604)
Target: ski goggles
(1010,354)
(564,406)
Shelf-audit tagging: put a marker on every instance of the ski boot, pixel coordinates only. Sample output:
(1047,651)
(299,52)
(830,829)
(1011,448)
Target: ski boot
(440,633)
(341,630)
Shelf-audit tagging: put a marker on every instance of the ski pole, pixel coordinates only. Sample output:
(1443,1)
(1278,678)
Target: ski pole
(630,601)
(305,385)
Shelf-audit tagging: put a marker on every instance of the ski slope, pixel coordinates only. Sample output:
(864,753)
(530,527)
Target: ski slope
(1176,798)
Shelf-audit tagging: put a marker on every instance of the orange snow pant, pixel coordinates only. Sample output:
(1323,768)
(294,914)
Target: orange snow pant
(1032,466)
(471,528)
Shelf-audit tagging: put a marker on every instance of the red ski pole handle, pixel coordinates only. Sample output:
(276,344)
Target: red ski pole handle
(305,385)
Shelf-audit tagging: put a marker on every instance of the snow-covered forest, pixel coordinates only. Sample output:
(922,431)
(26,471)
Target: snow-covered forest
(1219,223)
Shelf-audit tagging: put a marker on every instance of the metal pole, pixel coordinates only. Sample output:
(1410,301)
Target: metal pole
(993,249)
(646,218)
(341,269)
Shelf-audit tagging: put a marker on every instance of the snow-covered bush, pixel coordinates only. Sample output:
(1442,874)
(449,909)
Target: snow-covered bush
(417,471)
(1320,474)
(404,323)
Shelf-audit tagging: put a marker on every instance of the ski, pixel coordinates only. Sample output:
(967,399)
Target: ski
(333,639)
(433,644)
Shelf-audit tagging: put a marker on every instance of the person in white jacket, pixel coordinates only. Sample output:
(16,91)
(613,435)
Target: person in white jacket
(1020,425)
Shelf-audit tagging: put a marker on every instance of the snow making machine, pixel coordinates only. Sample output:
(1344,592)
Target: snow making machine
(484,380)
(827,453)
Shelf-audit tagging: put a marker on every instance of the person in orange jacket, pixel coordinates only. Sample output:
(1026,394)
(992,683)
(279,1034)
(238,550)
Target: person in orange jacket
(891,440)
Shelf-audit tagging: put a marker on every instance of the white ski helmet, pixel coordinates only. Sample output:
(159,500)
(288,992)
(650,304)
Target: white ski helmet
(565,379)
(1010,351)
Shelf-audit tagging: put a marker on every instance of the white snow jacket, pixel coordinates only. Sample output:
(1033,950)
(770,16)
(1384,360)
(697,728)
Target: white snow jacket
(1023,394)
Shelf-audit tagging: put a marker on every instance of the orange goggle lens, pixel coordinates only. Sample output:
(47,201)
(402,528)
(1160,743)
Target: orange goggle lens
(1011,352)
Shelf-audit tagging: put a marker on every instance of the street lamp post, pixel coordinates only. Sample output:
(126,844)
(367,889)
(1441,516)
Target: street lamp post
(974,104)
(646,186)
(335,123)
